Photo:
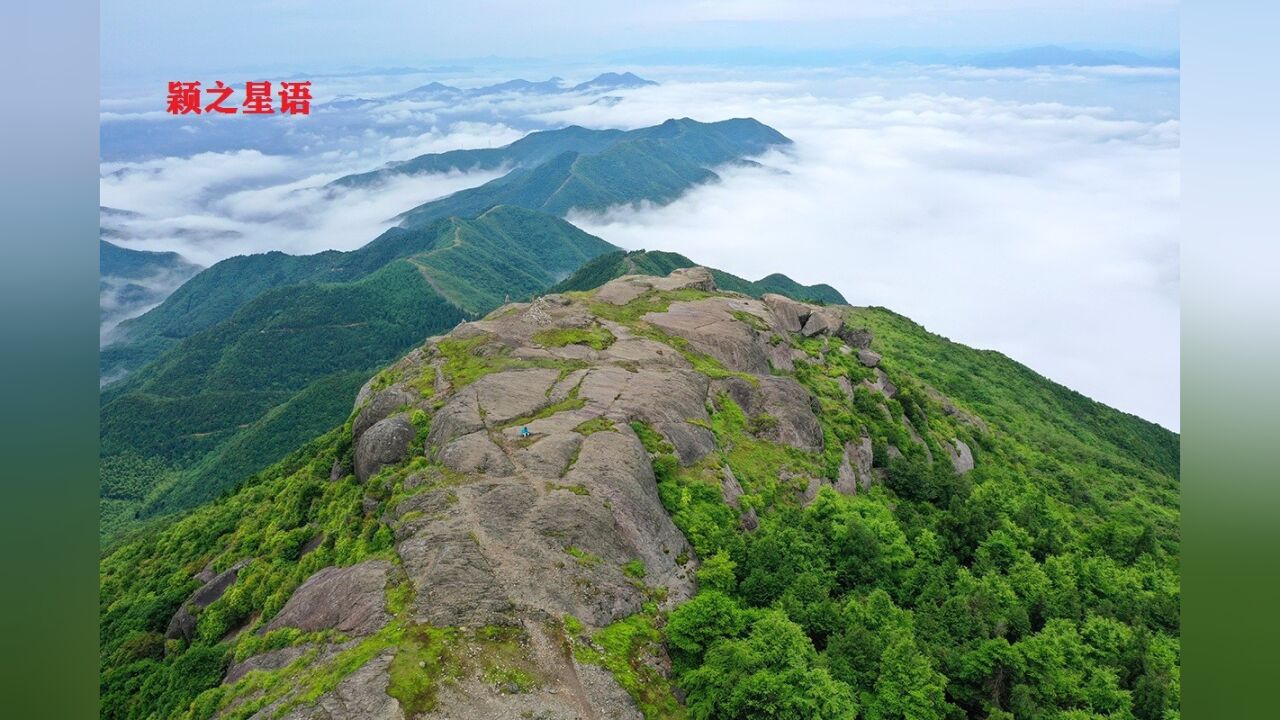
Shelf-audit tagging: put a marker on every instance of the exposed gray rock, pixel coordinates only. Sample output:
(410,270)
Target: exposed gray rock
(476,453)
(881,385)
(712,329)
(859,338)
(351,600)
(785,401)
(730,489)
(748,520)
(183,622)
(789,314)
(386,443)
(271,660)
(855,467)
(821,322)
(623,290)
(362,695)
(381,405)
(868,358)
(810,491)
(961,456)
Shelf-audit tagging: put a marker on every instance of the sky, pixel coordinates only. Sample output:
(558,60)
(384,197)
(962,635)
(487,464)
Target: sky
(1027,209)
(148,36)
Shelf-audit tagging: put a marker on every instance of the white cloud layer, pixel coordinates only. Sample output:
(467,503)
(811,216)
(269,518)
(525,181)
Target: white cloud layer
(1007,209)
(1046,231)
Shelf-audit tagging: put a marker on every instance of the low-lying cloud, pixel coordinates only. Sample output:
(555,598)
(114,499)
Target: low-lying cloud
(1043,230)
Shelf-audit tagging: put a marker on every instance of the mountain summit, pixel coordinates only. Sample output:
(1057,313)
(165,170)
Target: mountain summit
(659,499)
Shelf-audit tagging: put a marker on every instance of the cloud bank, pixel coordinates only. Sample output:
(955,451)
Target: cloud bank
(1043,230)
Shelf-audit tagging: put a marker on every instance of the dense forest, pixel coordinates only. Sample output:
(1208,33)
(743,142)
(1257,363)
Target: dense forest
(1040,582)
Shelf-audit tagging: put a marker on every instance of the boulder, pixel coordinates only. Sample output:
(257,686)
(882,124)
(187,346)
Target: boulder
(381,405)
(730,489)
(855,467)
(787,313)
(350,600)
(385,443)
(821,322)
(961,456)
(183,623)
(868,358)
(859,338)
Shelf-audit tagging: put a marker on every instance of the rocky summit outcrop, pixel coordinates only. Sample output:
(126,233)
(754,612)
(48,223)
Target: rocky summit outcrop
(350,600)
(515,461)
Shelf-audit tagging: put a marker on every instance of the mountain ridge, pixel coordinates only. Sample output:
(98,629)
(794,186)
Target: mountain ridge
(665,500)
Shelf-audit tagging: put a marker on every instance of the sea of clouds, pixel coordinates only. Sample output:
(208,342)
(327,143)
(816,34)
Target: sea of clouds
(1032,211)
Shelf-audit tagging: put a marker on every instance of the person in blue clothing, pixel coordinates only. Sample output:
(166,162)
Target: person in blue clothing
(524,432)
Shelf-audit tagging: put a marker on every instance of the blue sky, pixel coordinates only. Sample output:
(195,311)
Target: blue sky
(144,37)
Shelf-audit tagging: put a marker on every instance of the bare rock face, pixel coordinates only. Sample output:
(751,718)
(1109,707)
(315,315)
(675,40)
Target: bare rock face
(961,456)
(183,623)
(782,407)
(712,329)
(351,600)
(386,442)
(730,488)
(789,314)
(381,405)
(362,694)
(821,322)
(623,290)
(858,338)
(499,527)
(476,453)
(881,385)
(855,467)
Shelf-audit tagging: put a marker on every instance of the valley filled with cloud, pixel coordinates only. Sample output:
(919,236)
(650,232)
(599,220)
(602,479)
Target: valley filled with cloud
(1029,210)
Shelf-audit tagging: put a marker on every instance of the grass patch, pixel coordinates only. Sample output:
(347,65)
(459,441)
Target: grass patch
(464,365)
(595,425)
(582,557)
(622,650)
(596,337)
(634,569)
(755,321)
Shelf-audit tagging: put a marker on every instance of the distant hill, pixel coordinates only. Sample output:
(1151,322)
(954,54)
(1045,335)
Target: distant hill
(655,262)
(132,281)
(252,356)
(656,164)
(605,82)
(288,358)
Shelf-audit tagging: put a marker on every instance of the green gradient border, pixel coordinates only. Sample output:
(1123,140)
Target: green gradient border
(1230,356)
(48,351)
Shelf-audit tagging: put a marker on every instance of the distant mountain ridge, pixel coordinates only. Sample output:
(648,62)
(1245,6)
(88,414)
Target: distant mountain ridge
(655,164)
(256,354)
(131,281)
(658,263)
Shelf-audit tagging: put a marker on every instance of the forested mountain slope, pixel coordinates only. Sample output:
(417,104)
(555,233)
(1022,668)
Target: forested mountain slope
(659,499)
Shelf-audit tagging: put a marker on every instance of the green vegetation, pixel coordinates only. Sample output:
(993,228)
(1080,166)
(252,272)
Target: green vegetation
(608,266)
(596,337)
(1041,584)
(595,425)
(656,163)
(622,649)
(582,557)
